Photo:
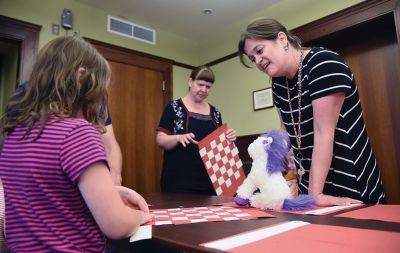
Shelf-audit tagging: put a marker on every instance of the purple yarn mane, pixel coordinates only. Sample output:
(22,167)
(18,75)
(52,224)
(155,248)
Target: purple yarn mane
(277,151)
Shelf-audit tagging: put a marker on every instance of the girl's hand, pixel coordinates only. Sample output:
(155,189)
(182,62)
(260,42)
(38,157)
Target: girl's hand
(132,199)
(145,217)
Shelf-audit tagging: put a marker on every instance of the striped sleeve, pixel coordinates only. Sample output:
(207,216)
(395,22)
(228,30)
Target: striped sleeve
(328,74)
(81,148)
(3,244)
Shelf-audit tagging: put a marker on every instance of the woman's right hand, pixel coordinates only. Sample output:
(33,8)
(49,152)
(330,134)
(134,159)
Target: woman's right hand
(185,139)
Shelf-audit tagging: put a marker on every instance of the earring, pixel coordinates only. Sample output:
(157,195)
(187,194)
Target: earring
(286,47)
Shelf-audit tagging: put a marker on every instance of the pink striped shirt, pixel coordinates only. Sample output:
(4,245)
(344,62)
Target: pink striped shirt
(45,211)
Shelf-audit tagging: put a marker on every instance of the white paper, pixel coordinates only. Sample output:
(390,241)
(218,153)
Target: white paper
(330,209)
(144,232)
(252,236)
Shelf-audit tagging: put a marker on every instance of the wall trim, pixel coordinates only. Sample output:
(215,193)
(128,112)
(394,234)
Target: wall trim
(139,53)
(222,59)
(26,35)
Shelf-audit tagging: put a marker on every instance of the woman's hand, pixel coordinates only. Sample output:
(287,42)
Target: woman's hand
(327,200)
(132,199)
(230,135)
(185,139)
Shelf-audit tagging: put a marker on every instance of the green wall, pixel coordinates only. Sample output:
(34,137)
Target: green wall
(232,91)
(92,23)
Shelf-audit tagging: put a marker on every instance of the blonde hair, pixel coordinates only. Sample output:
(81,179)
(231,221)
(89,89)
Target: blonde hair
(54,89)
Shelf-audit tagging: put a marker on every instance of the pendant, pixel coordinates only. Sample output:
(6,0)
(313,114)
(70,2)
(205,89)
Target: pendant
(301,171)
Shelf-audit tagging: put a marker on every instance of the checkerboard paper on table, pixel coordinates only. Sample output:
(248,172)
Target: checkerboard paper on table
(204,214)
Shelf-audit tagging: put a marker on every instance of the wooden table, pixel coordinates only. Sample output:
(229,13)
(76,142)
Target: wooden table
(188,237)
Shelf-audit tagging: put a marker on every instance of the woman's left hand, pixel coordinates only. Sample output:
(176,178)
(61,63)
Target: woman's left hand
(132,199)
(231,135)
(327,200)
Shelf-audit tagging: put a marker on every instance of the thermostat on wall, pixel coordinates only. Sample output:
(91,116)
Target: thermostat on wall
(66,19)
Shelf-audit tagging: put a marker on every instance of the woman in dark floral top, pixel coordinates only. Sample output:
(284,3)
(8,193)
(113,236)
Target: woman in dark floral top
(184,123)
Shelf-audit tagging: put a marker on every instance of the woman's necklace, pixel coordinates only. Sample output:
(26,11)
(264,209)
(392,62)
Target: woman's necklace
(297,131)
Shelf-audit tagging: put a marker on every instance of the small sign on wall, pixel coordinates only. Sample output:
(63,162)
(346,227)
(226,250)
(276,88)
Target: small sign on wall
(262,99)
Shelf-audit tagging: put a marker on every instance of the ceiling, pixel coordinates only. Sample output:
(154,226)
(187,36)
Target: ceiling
(182,17)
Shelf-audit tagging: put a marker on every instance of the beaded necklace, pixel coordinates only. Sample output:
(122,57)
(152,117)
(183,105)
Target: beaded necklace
(297,131)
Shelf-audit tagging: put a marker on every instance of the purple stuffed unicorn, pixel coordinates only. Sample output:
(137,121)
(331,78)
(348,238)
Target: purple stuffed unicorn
(269,152)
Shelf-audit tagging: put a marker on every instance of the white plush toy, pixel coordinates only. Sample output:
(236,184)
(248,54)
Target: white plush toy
(269,153)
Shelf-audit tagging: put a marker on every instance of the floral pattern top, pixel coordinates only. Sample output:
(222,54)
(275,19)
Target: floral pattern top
(183,169)
(176,109)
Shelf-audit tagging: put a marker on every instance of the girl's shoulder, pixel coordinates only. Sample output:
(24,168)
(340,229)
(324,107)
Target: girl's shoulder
(68,121)
(69,124)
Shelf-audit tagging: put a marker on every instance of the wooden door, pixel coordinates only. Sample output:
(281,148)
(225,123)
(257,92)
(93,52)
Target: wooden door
(135,102)
(140,87)
(370,46)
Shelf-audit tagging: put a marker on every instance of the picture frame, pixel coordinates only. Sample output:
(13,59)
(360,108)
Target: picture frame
(262,99)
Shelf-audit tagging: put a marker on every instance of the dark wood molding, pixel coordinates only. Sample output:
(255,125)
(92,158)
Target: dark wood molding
(225,58)
(183,65)
(349,17)
(141,54)
(397,20)
(26,35)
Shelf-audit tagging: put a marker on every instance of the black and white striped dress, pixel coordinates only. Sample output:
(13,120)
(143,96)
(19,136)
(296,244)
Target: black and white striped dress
(354,171)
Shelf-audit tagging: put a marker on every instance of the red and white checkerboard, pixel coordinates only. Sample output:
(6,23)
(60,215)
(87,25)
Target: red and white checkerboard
(204,214)
(222,162)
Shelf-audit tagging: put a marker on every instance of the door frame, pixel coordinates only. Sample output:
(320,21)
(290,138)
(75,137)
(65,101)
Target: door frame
(26,35)
(139,59)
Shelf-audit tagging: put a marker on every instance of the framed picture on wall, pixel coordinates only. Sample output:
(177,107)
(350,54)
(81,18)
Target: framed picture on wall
(262,99)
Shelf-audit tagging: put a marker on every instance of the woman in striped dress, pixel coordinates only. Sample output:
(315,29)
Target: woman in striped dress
(318,103)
